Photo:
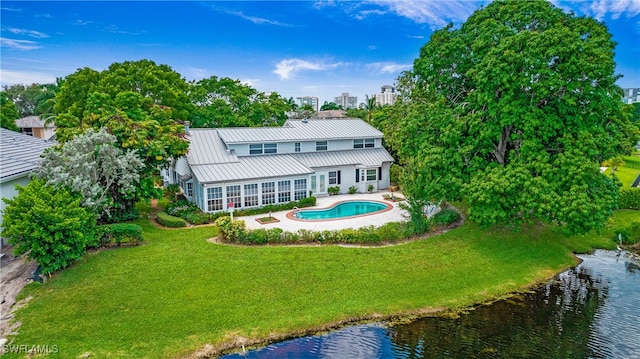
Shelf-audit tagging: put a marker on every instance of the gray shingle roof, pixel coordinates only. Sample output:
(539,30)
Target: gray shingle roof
(248,168)
(297,130)
(32,122)
(19,153)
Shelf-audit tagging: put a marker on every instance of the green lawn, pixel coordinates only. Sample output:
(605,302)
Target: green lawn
(631,169)
(178,292)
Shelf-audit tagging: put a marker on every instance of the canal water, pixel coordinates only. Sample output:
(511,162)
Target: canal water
(590,311)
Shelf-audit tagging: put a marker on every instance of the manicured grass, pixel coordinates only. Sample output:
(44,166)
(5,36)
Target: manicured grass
(173,295)
(630,171)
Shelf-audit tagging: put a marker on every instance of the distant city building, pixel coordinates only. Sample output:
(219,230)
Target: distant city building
(631,95)
(308,100)
(387,95)
(346,101)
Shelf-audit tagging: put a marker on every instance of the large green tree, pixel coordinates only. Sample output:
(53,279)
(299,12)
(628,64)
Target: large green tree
(48,224)
(224,102)
(513,112)
(8,112)
(31,99)
(142,104)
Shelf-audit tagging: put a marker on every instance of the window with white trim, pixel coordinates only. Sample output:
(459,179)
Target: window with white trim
(300,189)
(251,195)
(233,195)
(334,177)
(321,145)
(284,191)
(364,143)
(372,175)
(214,198)
(260,148)
(189,189)
(268,193)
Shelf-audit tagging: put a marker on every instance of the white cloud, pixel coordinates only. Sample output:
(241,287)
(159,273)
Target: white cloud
(257,20)
(615,8)
(10,77)
(365,13)
(19,44)
(30,33)
(250,82)
(288,68)
(435,13)
(388,67)
(415,36)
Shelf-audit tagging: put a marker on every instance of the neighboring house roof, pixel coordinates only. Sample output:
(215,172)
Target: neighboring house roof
(361,157)
(19,153)
(331,114)
(300,130)
(32,122)
(251,167)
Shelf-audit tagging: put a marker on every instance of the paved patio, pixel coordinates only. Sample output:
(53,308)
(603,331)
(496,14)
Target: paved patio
(396,214)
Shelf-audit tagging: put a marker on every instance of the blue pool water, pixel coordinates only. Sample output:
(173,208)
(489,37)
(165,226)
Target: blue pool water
(341,210)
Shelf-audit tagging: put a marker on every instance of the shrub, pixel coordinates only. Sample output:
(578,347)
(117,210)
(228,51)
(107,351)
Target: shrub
(353,189)
(392,231)
(305,202)
(48,224)
(232,231)
(445,217)
(120,232)
(333,190)
(629,198)
(170,221)
(370,188)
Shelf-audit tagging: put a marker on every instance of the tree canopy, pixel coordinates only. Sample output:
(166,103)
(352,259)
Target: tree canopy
(92,165)
(514,112)
(8,113)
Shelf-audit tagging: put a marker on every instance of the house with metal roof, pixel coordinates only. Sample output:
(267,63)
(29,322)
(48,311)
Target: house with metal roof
(252,167)
(19,155)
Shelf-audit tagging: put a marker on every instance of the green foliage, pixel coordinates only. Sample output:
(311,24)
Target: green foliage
(141,103)
(226,102)
(333,190)
(629,198)
(48,224)
(8,113)
(191,213)
(630,234)
(513,112)
(34,99)
(233,231)
(106,176)
(119,232)
(170,221)
(446,217)
(353,189)
(328,106)
(305,202)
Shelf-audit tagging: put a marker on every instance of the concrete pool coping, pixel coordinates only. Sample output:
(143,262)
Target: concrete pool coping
(394,214)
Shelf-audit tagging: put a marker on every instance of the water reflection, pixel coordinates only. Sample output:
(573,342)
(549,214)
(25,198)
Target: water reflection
(586,312)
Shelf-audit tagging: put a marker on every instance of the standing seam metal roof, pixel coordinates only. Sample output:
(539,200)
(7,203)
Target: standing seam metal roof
(297,130)
(365,157)
(248,168)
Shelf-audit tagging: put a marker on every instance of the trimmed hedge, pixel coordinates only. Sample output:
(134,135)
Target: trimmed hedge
(445,217)
(119,232)
(170,221)
(236,232)
(629,198)
(305,202)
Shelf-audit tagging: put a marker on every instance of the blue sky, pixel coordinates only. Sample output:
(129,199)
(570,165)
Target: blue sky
(296,48)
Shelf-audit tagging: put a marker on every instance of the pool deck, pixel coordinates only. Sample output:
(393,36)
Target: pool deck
(396,214)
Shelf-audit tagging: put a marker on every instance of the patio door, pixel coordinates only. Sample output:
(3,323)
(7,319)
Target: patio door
(319,183)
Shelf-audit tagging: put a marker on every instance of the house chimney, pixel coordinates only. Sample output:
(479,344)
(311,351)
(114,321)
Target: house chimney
(186,127)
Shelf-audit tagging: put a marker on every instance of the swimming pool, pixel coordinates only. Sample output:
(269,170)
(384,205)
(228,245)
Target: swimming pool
(341,210)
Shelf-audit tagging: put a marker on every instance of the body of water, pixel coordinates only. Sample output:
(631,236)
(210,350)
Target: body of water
(590,311)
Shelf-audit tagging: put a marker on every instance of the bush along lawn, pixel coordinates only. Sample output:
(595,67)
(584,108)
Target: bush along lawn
(180,292)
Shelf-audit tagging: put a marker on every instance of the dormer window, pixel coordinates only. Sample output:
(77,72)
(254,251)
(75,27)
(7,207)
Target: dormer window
(260,148)
(321,145)
(364,143)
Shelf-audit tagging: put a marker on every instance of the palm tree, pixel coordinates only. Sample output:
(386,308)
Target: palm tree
(614,163)
(370,105)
